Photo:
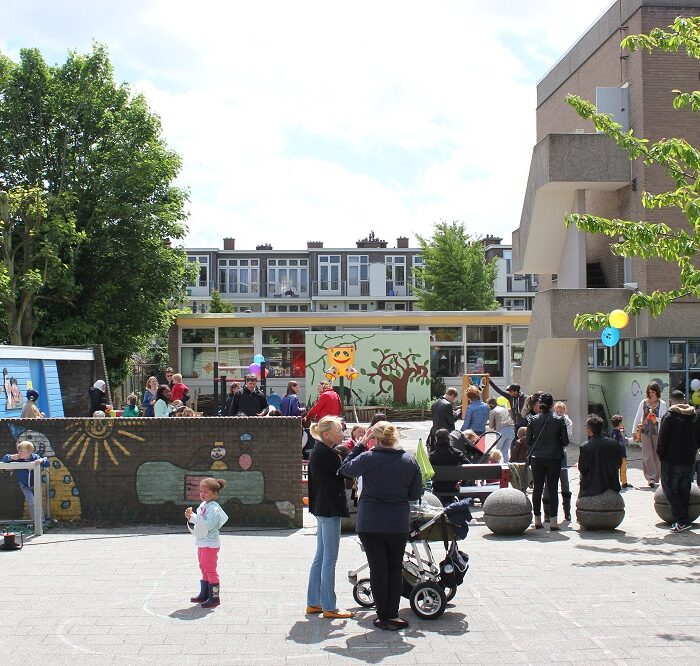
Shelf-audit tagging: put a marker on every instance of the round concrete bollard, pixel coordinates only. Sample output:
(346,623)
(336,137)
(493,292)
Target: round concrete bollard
(507,511)
(663,510)
(600,512)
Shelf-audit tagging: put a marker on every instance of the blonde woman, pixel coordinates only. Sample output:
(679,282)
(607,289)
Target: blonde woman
(390,480)
(326,502)
(149,397)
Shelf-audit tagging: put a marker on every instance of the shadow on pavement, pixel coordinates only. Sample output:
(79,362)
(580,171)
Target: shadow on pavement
(195,612)
(679,637)
(315,630)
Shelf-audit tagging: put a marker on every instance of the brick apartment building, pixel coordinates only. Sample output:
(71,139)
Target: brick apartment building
(573,169)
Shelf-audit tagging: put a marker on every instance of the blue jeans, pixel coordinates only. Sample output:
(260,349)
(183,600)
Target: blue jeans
(29,496)
(321,590)
(507,437)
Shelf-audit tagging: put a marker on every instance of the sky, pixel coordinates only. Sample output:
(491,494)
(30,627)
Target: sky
(325,120)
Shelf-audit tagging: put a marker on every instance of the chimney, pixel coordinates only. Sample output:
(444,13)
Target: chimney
(491,240)
(371,241)
(229,243)
(264,246)
(402,241)
(314,244)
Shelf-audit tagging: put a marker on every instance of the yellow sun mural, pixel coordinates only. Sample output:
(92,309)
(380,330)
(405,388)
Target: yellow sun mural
(93,436)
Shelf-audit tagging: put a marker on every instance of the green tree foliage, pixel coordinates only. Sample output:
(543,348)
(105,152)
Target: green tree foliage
(36,253)
(679,160)
(455,274)
(216,304)
(96,152)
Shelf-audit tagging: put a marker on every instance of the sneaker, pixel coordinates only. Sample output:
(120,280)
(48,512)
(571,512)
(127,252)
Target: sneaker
(674,527)
(652,484)
(627,485)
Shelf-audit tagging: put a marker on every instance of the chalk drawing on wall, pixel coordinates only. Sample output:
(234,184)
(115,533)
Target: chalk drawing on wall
(218,453)
(160,482)
(13,396)
(64,493)
(92,436)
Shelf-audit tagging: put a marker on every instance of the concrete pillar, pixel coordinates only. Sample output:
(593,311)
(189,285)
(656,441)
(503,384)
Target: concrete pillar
(572,270)
(577,391)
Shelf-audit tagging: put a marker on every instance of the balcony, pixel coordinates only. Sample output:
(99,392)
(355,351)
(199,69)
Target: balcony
(398,288)
(287,290)
(341,288)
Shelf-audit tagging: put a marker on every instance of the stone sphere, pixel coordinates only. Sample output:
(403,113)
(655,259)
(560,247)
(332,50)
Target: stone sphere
(601,512)
(663,510)
(507,511)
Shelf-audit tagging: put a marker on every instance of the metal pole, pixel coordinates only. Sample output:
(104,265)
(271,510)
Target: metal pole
(223,392)
(38,508)
(216,386)
(263,382)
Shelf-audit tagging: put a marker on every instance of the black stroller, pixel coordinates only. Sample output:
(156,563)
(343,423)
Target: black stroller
(473,453)
(426,584)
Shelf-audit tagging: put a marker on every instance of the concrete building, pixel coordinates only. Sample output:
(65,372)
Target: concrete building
(573,169)
(369,277)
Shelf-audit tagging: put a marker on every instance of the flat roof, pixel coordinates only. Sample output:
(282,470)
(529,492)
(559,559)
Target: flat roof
(46,353)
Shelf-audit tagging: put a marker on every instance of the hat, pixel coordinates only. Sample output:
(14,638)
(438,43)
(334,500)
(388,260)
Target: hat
(546,399)
(32,395)
(513,387)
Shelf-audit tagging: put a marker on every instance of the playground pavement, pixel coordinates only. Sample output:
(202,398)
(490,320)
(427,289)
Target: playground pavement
(114,596)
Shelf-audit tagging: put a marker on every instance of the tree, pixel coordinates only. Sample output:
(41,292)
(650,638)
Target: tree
(96,152)
(36,251)
(455,274)
(218,305)
(680,161)
(394,371)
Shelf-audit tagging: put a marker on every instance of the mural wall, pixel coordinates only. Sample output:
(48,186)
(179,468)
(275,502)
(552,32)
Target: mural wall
(393,366)
(622,392)
(148,470)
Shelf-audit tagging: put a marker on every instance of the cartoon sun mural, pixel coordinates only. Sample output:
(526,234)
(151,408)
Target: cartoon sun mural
(92,436)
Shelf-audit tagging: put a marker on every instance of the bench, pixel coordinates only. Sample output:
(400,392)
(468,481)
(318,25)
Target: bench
(467,473)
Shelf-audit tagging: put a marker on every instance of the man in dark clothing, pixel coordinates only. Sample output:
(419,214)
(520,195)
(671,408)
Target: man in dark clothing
(679,440)
(599,461)
(249,400)
(445,455)
(516,400)
(443,413)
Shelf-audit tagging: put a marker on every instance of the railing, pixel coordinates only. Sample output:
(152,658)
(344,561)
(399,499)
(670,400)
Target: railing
(398,288)
(200,288)
(340,288)
(239,290)
(287,290)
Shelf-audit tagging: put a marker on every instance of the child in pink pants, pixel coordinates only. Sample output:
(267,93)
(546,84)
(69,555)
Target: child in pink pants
(207,522)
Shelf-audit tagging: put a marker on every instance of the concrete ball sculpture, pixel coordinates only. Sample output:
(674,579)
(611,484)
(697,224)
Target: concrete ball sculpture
(663,510)
(600,512)
(507,511)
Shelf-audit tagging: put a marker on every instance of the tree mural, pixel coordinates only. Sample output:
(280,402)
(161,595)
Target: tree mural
(395,370)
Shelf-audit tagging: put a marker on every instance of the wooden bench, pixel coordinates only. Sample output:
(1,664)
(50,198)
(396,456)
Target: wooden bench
(467,473)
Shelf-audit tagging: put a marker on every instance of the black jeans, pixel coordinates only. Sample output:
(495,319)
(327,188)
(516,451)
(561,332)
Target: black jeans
(549,470)
(385,557)
(676,480)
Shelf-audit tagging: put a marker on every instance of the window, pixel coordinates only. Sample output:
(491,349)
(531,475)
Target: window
(677,357)
(357,307)
(591,355)
(515,303)
(236,358)
(518,336)
(202,263)
(197,336)
(287,277)
(490,334)
(418,264)
(236,335)
(287,308)
(485,359)
(329,273)
(285,352)
(239,276)
(197,362)
(446,334)
(358,269)
(395,275)
(446,361)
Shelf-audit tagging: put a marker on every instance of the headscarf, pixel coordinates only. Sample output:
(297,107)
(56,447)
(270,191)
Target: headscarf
(100,385)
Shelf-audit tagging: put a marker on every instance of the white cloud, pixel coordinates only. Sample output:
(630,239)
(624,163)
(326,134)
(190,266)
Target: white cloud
(231,80)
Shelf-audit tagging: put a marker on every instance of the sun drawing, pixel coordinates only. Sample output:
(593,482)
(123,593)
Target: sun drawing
(98,435)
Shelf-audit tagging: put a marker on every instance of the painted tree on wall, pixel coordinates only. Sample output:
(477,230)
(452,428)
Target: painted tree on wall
(393,372)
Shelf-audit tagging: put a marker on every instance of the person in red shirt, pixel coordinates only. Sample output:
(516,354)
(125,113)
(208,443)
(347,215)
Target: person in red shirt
(179,391)
(328,403)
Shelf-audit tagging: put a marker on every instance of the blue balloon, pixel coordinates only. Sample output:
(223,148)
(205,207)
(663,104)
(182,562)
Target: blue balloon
(610,336)
(258,358)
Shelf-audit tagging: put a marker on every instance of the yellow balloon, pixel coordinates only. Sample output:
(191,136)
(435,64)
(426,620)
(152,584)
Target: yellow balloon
(503,401)
(618,319)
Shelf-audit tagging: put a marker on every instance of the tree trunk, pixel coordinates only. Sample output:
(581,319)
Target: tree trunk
(401,388)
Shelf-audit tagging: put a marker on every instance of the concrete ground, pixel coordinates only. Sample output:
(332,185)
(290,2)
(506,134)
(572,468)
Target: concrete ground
(102,596)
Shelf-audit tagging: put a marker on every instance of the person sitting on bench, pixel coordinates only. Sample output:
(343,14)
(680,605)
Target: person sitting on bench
(445,455)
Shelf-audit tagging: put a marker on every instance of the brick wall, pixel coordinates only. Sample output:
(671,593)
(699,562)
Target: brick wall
(147,470)
(76,378)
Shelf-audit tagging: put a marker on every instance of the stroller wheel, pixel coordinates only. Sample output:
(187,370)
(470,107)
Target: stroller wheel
(428,601)
(362,592)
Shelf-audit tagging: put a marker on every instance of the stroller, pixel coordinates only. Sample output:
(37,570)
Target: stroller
(426,584)
(477,453)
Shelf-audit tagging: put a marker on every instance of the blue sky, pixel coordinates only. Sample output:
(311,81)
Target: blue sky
(322,120)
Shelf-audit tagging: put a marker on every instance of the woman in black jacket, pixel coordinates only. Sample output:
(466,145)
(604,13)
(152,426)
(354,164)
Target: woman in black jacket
(546,438)
(326,502)
(390,480)
(445,455)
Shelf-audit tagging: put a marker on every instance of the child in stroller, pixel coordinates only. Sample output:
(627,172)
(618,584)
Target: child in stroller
(426,584)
